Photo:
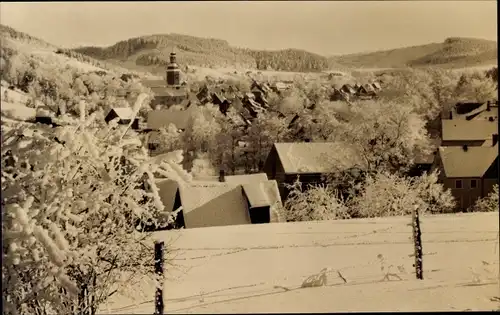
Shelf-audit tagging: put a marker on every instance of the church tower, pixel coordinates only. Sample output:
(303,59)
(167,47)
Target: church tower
(173,71)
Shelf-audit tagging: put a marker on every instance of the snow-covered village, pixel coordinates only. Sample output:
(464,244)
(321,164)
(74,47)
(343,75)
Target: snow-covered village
(161,158)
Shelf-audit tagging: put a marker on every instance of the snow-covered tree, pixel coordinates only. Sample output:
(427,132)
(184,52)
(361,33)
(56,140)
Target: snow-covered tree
(73,199)
(386,194)
(202,166)
(265,130)
(475,87)
(386,135)
(314,203)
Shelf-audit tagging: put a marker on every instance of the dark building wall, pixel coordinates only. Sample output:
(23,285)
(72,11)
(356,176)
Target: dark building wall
(173,77)
(467,195)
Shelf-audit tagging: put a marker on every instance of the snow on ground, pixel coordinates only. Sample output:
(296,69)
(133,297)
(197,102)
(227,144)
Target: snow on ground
(63,61)
(14,108)
(260,268)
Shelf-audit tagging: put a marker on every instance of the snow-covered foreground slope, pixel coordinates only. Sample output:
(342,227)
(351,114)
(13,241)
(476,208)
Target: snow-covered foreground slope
(260,268)
(14,108)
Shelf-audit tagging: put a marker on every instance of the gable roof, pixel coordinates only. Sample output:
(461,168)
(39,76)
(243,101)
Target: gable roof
(315,157)
(459,129)
(260,191)
(262,194)
(247,178)
(198,193)
(471,163)
(123,112)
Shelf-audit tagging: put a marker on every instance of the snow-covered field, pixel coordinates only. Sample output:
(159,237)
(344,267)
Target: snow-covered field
(260,268)
(14,108)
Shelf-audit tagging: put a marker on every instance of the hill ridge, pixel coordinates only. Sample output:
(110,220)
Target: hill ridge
(152,52)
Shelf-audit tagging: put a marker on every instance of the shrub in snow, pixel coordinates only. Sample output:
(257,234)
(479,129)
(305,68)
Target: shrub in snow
(72,197)
(315,203)
(386,194)
(488,203)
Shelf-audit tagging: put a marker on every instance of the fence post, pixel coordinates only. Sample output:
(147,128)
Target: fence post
(159,246)
(417,241)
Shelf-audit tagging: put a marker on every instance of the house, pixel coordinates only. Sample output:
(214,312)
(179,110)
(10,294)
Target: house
(124,115)
(338,95)
(469,172)
(307,161)
(231,200)
(252,106)
(261,88)
(366,90)
(219,100)
(459,132)
(348,89)
(376,86)
(280,87)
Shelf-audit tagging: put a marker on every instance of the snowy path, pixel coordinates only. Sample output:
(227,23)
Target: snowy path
(248,269)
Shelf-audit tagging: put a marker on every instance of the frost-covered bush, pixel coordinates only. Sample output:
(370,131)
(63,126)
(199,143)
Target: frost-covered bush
(314,203)
(386,194)
(488,203)
(72,200)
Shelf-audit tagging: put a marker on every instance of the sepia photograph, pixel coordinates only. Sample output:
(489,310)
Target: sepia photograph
(217,157)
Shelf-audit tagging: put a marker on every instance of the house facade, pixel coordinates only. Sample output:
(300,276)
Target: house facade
(306,161)
(470,173)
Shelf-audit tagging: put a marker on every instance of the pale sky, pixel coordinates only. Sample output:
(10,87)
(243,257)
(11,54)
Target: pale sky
(328,28)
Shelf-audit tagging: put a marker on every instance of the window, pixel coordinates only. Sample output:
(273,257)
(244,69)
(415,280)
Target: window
(473,183)
(458,184)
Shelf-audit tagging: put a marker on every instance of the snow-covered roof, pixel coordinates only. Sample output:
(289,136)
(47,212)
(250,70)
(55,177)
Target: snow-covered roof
(245,179)
(198,193)
(168,189)
(265,193)
(123,112)
(459,129)
(315,157)
(259,190)
(471,163)
(213,204)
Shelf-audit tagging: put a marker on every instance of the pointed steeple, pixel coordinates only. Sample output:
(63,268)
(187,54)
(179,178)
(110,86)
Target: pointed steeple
(173,71)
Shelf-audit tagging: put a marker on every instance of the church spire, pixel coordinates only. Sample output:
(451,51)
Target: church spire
(173,56)
(173,71)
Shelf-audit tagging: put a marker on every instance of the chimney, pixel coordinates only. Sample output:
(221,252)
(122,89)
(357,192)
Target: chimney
(494,139)
(222,177)
(465,148)
(451,114)
(488,106)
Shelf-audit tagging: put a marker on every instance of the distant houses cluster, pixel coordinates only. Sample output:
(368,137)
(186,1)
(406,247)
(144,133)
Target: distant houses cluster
(350,92)
(466,154)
